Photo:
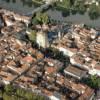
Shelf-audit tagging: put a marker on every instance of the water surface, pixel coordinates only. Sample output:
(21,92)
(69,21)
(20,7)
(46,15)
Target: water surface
(26,6)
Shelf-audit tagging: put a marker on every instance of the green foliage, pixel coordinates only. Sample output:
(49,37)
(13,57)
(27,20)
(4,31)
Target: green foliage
(80,7)
(9,88)
(94,11)
(10,97)
(65,3)
(45,18)
(66,13)
(29,96)
(12,93)
(32,36)
(37,2)
(93,81)
(40,18)
(73,10)
(20,92)
(72,2)
(35,21)
(6,97)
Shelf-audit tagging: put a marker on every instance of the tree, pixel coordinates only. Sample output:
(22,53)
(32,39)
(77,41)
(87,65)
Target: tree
(66,13)
(14,1)
(93,81)
(80,7)
(94,11)
(45,18)
(32,36)
(9,88)
(6,96)
(12,93)
(20,92)
(34,21)
(65,4)
(72,2)
(40,18)
(73,10)
(29,96)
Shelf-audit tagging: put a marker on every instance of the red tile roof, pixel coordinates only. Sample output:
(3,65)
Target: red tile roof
(28,59)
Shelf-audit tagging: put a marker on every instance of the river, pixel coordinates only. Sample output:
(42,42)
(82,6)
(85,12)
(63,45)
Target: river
(26,6)
(18,6)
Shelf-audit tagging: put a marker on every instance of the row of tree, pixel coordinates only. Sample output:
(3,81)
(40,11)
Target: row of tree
(78,6)
(9,92)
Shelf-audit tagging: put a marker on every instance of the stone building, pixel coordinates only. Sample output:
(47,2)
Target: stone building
(42,39)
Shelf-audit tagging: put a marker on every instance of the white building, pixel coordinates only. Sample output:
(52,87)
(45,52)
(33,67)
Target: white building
(42,39)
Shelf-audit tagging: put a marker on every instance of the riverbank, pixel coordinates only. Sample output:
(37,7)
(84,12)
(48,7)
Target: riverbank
(23,8)
(74,19)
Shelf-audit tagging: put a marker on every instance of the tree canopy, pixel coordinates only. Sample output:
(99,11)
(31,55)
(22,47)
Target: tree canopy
(94,11)
(93,81)
(40,18)
(32,36)
(16,93)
